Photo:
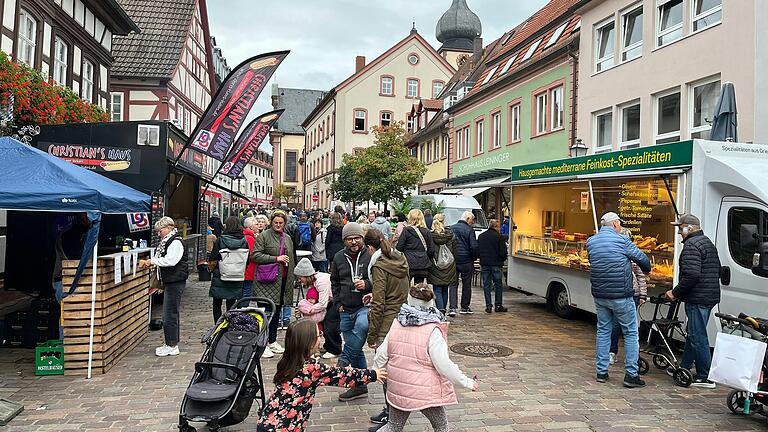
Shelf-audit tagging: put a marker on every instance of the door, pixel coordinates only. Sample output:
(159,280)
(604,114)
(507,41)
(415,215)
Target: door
(742,225)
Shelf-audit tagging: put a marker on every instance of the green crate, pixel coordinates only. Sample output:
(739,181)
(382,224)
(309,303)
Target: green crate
(49,358)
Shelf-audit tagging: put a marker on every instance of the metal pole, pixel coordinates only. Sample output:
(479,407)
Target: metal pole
(93,306)
(594,214)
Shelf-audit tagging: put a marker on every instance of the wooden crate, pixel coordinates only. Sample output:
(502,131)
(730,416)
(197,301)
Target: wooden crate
(121,315)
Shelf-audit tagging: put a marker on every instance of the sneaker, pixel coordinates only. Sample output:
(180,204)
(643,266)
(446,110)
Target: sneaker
(703,383)
(488,310)
(354,393)
(160,349)
(466,311)
(375,428)
(500,308)
(601,378)
(267,353)
(329,355)
(452,312)
(633,381)
(381,417)
(612,358)
(276,348)
(165,350)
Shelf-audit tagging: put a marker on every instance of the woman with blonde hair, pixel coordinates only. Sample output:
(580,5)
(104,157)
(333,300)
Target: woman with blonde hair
(443,271)
(417,245)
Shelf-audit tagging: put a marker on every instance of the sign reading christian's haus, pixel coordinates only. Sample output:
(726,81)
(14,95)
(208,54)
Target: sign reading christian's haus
(95,157)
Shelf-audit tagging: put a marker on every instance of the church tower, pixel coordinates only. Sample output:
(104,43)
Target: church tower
(457,30)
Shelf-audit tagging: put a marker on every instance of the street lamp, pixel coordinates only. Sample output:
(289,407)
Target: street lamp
(578,149)
(257,191)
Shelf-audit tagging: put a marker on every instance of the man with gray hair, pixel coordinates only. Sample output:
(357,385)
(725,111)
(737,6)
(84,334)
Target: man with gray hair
(699,288)
(466,253)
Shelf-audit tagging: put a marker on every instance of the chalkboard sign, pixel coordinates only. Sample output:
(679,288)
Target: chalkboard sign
(158,211)
(202,255)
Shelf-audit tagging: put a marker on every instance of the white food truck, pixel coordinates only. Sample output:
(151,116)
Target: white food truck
(556,206)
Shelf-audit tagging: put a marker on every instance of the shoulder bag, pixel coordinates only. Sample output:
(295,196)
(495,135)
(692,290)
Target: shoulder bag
(267,273)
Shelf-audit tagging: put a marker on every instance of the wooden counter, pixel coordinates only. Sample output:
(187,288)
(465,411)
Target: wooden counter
(121,313)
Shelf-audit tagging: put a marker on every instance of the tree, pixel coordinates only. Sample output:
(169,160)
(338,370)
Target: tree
(281,192)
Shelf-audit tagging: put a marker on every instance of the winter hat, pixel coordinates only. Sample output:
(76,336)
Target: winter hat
(304,268)
(351,229)
(421,295)
(312,294)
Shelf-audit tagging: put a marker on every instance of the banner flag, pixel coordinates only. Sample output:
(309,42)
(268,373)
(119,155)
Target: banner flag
(219,125)
(248,143)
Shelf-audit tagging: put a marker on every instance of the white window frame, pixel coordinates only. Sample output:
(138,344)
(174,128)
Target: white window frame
(60,62)
(490,75)
(435,149)
(151,134)
(444,150)
(541,127)
(515,122)
(116,115)
(557,118)
(556,35)
(467,142)
(384,88)
(435,91)
(365,121)
(415,88)
(25,44)
(480,136)
(703,15)
(508,64)
(661,33)
(692,100)
(606,62)
(656,98)
(531,50)
(595,116)
(460,144)
(86,80)
(624,145)
(626,50)
(388,114)
(496,125)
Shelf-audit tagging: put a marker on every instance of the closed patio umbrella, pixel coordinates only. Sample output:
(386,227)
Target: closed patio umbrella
(724,118)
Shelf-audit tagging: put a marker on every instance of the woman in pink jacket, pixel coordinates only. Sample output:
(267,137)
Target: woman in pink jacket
(416,351)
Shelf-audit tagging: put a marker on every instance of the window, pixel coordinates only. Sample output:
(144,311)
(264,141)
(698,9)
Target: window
(604,42)
(327,126)
(413,59)
(479,137)
(490,75)
(466,141)
(435,149)
(706,13)
(437,88)
(322,134)
(632,34)
(703,100)
(333,124)
(459,144)
(630,127)
(148,135)
(603,131)
(386,118)
(429,152)
(531,50)
(670,23)
(116,113)
(27,38)
(514,123)
(60,49)
(291,169)
(387,83)
(360,120)
(421,152)
(558,113)
(541,113)
(508,65)
(86,87)
(745,226)
(414,152)
(668,118)
(556,35)
(496,132)
(409,122)
(413,88)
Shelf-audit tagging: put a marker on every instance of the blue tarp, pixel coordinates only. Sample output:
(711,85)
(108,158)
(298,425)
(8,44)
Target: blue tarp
(33,180)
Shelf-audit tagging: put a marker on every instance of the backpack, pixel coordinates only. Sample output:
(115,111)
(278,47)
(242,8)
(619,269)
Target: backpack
(444,258)
(305,234)
(232,264)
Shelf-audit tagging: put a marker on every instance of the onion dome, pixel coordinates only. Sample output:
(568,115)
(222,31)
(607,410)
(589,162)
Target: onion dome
(458,27)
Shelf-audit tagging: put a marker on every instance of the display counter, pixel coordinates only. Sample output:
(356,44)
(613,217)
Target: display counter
(120,311)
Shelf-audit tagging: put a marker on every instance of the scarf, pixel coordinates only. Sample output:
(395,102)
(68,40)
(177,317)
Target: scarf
(418,315)
(164,243)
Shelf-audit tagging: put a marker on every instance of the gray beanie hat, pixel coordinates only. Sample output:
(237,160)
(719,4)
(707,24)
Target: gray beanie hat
(304,268)
(351,229)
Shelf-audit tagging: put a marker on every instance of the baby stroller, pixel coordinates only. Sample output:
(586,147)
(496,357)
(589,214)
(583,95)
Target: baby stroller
(662,331)
(739,401)
(228,376)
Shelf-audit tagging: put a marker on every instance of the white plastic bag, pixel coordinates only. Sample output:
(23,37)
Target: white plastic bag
(737,362)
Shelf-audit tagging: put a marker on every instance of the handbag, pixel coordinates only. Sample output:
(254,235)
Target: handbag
(737,362)
(267,273)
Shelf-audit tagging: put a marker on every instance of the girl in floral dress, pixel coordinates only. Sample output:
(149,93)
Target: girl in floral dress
(299,374)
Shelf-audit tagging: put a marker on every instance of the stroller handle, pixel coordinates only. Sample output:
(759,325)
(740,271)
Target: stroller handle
(731,318)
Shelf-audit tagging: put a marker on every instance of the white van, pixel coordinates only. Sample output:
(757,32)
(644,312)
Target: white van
(454,206)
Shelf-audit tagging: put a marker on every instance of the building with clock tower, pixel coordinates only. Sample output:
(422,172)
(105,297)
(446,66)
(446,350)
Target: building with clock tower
(457,30)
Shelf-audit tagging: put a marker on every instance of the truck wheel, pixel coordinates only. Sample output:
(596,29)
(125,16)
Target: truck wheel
(558,298)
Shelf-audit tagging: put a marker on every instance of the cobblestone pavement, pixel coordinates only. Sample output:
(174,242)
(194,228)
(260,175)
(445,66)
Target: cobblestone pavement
(546,384)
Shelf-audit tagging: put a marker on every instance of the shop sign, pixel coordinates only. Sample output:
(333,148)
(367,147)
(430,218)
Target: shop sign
(158,211)
(97,158)
(660,156)
(138,222)
(477,164)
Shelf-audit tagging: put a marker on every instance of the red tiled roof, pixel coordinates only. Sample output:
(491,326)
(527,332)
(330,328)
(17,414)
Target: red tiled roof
(432,104)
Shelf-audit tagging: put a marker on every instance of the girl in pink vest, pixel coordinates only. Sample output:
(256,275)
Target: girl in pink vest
(420,376)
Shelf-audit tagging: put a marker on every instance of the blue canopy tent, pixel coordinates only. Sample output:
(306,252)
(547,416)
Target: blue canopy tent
(34,180)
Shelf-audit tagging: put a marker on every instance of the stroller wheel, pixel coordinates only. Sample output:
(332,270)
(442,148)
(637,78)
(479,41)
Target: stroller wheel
(642,366)
(187,428)
(660,361)
(682,377)
(735,401)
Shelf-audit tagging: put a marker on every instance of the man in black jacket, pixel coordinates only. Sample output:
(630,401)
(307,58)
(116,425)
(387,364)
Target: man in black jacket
(466,253)
(492,251)
(349,283)
(699,288)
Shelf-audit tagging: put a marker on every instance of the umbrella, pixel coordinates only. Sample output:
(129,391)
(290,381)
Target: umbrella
(724,119)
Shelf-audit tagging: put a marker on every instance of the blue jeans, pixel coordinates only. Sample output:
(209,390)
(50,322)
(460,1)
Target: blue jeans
(623,311)
(441,296)
(354,326)
(617,331)
(696,348)
(247,291)
(321,266)
(287,312)
(491,275)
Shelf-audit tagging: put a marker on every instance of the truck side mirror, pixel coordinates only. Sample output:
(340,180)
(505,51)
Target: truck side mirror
(760,261)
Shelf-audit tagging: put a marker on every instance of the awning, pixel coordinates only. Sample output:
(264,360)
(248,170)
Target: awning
(210,193)
(480,177)
(476,188)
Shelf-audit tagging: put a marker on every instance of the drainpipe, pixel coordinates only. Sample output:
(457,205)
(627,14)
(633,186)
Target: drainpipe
(574,56)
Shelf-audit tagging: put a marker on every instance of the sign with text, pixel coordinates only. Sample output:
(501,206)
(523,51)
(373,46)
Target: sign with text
(97,158)
(158,211)
(216,131)
(138,222)
(248,143)
(660,156)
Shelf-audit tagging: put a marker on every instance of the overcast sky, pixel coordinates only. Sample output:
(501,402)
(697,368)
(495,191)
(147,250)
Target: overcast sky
(325,36)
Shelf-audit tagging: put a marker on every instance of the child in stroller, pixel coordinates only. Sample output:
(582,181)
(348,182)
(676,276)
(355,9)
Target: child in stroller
(299,373)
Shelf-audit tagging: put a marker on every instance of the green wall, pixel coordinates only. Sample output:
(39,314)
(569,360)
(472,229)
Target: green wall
(529,150)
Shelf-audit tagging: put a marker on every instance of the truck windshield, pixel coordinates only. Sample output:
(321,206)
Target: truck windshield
(453,215)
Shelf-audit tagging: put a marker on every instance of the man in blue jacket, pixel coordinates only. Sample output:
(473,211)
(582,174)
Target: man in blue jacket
(610,257)
(466,253)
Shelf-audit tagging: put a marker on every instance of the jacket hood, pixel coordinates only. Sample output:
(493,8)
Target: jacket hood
(410,316)
(396,265)
(444,238)
(381,220)
(233,241)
